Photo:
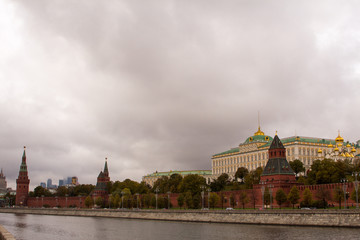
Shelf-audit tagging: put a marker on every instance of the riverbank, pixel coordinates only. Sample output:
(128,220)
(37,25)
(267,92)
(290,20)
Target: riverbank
(5,235)
(323,218)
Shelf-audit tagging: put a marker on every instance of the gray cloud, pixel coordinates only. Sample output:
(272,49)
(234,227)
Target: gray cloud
(163,85)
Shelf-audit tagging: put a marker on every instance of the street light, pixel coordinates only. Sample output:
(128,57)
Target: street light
(66,197)
(270,190)
(208,190)
(356,174)
(202,195)
(168,199)
(122,199)
(262,192)
(344,180)
(156,196)
(137,200)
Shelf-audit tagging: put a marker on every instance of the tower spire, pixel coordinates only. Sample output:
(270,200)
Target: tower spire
(106,170)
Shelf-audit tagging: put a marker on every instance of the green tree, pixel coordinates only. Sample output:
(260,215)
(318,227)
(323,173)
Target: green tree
(253,177)
(181,200)
(99,201)
(61,191)
(220,183)
(297,166)
(39,191)
(243,199)
(353,195)
(88,201)
(294,196)
(188,199)
(241,173)
(116,201)
(307,198)
(192,183)
(280,197)
(323,195)
(214,199)
(338,195)
(174,182)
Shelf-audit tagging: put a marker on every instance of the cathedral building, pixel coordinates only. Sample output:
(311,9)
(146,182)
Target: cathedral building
(253,152)
(22,183)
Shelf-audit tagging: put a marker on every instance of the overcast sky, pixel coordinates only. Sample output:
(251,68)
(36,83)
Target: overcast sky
(163,85)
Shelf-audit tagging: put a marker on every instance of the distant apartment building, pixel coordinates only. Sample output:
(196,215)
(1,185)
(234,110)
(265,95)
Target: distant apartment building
(43,184)
(3,184)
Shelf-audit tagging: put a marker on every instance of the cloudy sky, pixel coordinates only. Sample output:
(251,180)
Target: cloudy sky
(163,85)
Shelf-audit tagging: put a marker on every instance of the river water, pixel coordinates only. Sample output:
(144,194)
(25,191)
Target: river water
(36,227)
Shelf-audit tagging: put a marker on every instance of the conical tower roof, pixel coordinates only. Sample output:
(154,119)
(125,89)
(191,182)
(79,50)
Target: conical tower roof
(277,164)
(276,143)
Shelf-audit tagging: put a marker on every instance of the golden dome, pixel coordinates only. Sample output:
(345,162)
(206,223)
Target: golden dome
(353,150)
(340,144)
(259,132)
(348,145)
(347,155)
(342,154)
(351,155)
(339,138)
(319,151)
(330,145)
(336,149)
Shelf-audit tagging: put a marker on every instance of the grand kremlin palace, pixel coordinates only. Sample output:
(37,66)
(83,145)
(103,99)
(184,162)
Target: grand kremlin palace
(253,152)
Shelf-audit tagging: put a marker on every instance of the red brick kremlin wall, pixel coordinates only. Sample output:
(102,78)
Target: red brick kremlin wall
(80,201)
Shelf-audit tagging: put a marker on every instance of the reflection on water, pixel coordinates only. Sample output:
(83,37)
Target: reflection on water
(62,227)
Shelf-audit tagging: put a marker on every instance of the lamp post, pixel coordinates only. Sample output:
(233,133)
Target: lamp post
(262,192)
(344,180)
(122,199)
(42,200)
(79,202)
(156,196)
(270,190)
(66,198)
(137,200)
(356,188)
(109,199)
(168,199)
(202,196)
(208,189)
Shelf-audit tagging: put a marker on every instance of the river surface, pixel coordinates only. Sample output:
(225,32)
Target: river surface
(42,227)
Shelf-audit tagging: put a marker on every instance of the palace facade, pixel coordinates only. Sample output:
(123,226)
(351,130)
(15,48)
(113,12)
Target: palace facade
(253,152)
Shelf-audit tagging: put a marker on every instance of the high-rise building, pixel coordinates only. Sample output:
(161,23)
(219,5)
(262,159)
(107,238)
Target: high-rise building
(42,184)
(61,182)
(22,183)
(49,183)
(3,184)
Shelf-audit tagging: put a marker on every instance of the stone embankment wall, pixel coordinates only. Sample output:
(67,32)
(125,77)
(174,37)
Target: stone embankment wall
(328,218)
(5,235)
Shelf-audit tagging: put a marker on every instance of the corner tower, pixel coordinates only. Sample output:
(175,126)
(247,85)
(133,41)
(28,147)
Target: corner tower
(277,168)
(22,183)
(101,189)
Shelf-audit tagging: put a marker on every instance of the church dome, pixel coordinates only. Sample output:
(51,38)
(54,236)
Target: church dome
(259,136)
(353,150)
(319,151)
(336,149)
(347,155)
(330,145)
(348,145)
(339,138)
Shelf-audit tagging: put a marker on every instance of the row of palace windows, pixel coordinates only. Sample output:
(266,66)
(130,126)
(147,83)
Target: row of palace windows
(240,159)
(233,169)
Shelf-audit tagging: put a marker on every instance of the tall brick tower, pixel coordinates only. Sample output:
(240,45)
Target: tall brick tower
(102,181)
(277,170)
(22,183)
